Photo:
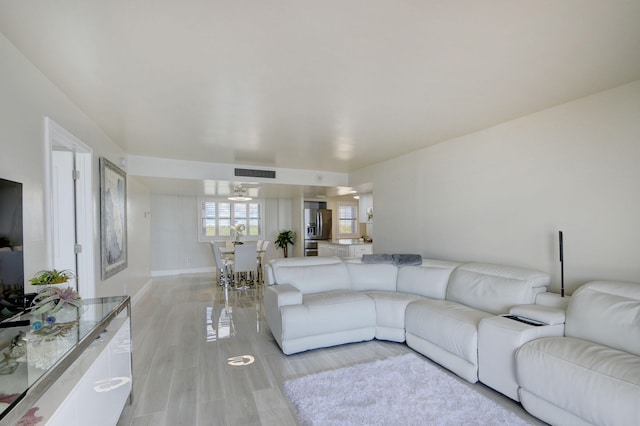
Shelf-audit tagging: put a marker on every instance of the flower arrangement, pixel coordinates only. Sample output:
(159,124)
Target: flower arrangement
(238,229)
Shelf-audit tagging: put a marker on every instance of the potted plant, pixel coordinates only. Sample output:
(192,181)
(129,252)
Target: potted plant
(52,277)
(284,239)
(52,299)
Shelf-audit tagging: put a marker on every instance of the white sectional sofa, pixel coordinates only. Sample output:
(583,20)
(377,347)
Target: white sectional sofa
(435,307)
(456,315)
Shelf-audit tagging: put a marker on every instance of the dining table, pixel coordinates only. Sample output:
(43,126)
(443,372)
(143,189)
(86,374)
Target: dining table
(227,250)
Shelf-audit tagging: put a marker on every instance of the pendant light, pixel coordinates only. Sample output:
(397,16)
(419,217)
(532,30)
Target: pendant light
(240,194)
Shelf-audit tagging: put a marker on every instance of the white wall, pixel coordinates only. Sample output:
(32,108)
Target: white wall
(26,97)
(500,195)
(138,272)
(297,226)
(174,239)
(174,233)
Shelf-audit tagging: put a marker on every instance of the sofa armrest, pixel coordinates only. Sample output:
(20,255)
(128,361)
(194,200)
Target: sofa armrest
(498,340)
(284,294)
(275,297)
(553,300)
(539,313)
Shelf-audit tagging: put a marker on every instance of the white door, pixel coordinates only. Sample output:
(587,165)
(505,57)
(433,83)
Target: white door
(70,214)
(64,210)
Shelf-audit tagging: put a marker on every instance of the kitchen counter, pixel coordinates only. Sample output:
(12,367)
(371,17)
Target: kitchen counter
(348,242)
(344,248)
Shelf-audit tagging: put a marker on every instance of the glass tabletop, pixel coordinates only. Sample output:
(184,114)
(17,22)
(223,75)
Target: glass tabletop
(32,346)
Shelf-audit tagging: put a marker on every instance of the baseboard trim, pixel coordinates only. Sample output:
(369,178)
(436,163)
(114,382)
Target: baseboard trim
(140,294)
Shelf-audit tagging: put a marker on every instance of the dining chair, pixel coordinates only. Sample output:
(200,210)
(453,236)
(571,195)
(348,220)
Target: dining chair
(244,264)
(224,265)
(262,250)
(268,254)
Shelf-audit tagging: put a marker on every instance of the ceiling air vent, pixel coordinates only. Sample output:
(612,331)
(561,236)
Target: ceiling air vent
(269,174)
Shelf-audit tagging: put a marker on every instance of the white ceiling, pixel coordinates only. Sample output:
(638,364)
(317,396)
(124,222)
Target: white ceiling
(321,85)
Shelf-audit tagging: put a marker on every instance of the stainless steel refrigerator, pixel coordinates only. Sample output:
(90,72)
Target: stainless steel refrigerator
(317,227)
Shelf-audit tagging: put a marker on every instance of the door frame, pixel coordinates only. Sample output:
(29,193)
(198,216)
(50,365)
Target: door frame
(57,136)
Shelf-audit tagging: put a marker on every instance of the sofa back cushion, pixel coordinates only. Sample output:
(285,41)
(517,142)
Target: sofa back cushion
(606,312)
(428,279)
(311,276)
(372,276)
(270,279)
(495,288)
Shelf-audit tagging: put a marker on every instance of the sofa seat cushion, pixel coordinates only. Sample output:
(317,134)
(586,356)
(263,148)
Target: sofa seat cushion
(556,369)
(390,311)
(328,312)
(451,330)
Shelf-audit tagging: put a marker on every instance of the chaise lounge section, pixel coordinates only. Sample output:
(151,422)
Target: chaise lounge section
(314,306)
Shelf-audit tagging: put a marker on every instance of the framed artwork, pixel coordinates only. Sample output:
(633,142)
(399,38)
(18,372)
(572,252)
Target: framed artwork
(113,218)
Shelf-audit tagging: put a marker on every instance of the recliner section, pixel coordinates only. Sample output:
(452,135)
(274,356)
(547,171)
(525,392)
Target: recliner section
(591,375)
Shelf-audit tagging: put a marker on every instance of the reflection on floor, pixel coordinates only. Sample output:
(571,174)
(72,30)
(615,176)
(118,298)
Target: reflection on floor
(219,319)
(204,356)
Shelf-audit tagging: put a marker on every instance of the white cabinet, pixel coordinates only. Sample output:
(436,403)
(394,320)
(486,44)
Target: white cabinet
(359,250)
(104,386)
(80,377)
(365,208)
(342,251)
(327,249)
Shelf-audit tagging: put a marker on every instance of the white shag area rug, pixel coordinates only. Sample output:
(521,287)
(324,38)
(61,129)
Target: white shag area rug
(403,390)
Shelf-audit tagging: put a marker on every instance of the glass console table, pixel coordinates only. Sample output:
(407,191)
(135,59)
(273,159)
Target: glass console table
(34,360)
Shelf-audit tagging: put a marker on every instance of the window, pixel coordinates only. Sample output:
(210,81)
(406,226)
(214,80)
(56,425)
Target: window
(347,219)
(216,217)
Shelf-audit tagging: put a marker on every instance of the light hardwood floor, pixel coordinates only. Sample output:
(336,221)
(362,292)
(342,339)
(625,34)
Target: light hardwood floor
(184,332)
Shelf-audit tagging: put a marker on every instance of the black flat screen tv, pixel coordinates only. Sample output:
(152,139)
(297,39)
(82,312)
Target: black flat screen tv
(11,254)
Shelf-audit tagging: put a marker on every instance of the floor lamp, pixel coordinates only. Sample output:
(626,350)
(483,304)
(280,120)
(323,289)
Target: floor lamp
(561,265)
